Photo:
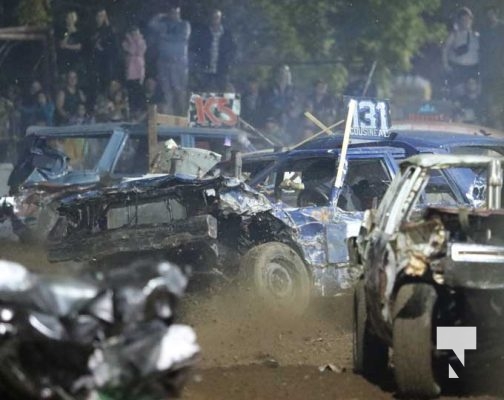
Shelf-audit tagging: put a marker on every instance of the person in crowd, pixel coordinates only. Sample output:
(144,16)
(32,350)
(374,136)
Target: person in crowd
(151,92)
(321,104)
(273,131)
(29,105)
(6,143)
(461,52)
(135,47)
(170,35)
(82,117)
(68,99)
(104,52)
(44,111)
(279,94)
(119,110)
(14,98)
(292,122)
(491,59)
(251,103)
(70,45)
(214,50)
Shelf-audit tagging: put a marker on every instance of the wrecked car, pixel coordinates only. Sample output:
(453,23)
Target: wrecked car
(68,158)
(300,183)
(432,255)
(109,335)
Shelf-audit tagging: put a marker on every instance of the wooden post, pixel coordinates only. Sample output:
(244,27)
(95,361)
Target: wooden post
(152,132)
(344,146)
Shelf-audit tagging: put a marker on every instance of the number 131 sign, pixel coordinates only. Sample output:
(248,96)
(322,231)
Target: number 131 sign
(371,118)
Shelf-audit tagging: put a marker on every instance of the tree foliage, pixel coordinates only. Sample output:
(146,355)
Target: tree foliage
(351,34)
(34,13)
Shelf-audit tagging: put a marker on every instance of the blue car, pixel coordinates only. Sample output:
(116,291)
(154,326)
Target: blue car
(325,222)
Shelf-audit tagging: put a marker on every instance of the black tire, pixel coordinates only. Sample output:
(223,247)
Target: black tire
(412,341)
(370,353)
(276,275)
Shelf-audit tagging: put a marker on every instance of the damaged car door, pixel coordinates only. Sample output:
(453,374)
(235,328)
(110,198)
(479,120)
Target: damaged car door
(302,189)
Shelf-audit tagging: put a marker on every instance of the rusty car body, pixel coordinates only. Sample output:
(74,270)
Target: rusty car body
(430,258)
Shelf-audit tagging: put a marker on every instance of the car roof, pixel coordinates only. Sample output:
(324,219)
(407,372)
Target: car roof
(443,126)
(440,161)
(131,128)
(416,139)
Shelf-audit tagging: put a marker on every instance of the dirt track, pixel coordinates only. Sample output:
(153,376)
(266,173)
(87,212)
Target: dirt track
(250,354)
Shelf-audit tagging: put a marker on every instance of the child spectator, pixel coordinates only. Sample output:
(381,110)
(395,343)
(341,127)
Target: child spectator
(44,111)
(82,117)
(135,48)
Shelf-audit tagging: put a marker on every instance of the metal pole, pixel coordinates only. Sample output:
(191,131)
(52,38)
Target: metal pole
(152,132)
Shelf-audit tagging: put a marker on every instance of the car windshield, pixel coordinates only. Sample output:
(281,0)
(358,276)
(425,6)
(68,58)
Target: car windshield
(83,153)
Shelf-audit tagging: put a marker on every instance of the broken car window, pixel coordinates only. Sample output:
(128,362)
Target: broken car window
(83,153)
(307,182)
(365,184)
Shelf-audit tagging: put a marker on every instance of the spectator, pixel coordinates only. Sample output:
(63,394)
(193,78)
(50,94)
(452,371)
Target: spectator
(214,51)
(44,111)
(461,52)
(171,37)
(135,48)
(273,131)
(6,148)
(321,104)
(113,106)
(251,103)
(70,45)
(68,99)
(279,95)
(119,110)
(29,104)
(491,57)
(82,117)
(292,123)
(104,53)
(152,93)
(14,97)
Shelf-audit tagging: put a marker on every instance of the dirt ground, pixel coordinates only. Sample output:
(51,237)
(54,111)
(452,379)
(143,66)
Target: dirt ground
(248,353)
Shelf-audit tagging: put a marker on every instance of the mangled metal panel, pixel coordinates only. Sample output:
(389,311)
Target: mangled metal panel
(174,160)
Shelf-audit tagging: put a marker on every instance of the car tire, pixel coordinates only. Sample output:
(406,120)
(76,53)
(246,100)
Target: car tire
(277,275)
(412,341)
(370,353)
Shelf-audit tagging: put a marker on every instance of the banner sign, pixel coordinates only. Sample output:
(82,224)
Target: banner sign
(215,110)
(371,118)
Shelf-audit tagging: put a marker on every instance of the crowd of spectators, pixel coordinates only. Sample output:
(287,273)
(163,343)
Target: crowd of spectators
(110,77)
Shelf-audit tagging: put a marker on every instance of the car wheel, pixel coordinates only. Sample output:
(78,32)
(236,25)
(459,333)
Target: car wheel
(412,341)
(276,274)
(370,353)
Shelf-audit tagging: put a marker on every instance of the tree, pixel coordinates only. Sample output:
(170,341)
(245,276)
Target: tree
(336,34)
(34,13)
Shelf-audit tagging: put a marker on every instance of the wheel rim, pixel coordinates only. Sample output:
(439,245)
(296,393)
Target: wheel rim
(279,281)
